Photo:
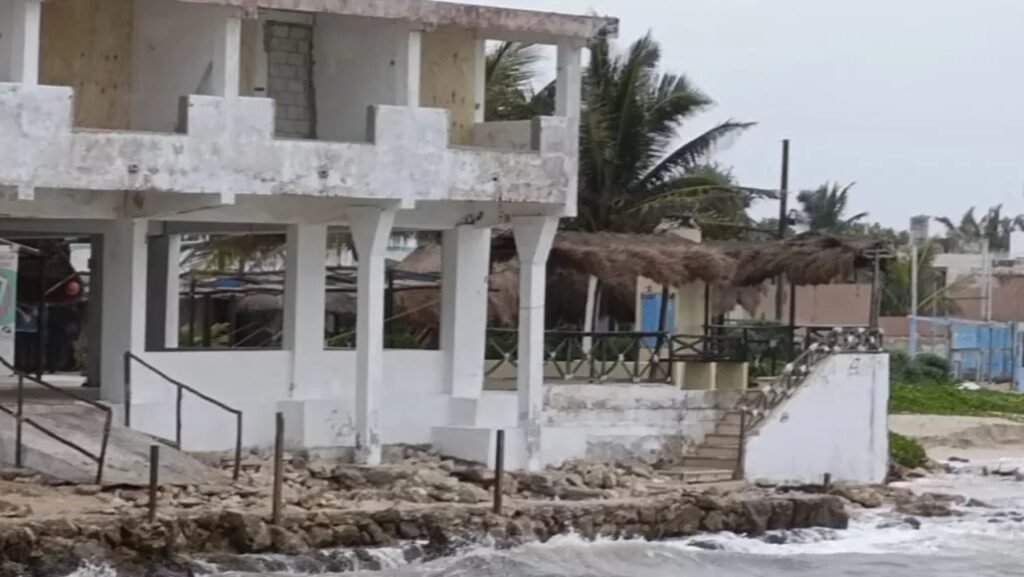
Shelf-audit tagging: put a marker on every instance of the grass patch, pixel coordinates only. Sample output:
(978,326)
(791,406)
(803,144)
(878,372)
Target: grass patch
(934,399)
(906,452)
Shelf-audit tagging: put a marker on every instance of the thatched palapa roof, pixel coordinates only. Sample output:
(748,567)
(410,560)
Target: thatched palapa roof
(806,259)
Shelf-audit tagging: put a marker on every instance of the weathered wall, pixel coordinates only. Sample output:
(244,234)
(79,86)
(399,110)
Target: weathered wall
(451,70)
(258,383)
(87,45)
(173,51)
(837,422)
(359,62)
(831,304)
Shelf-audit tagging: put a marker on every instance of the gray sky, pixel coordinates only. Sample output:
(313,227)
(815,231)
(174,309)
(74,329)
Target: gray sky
(920,102)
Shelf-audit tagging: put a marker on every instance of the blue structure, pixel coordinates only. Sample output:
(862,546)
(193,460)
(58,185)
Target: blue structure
(978,350)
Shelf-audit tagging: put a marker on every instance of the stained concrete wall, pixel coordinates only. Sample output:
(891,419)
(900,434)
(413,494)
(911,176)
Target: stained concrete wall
(289,47)
(359,62)
(173,51)
(837,423)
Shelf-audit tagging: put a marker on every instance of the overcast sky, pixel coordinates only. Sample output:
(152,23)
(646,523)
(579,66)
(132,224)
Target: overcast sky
(920,102)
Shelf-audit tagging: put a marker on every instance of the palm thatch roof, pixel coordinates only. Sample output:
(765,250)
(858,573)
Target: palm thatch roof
(806,259)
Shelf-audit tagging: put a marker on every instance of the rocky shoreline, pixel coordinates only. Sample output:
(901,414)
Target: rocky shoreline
(341,517)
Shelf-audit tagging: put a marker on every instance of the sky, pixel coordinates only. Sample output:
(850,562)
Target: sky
(919,102)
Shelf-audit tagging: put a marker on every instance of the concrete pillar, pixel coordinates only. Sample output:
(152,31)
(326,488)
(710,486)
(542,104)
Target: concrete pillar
(227,58)
(94,319)
(304,305)
(124,301)
(534,237)
(568,102)
(26,17)
(464,283)
(414,67)
(163,292)
(371,229)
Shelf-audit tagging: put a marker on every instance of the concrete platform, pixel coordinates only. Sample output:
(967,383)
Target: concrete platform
(127,460)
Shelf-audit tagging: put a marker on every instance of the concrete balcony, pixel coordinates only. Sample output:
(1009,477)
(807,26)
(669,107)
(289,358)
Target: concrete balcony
(226,146)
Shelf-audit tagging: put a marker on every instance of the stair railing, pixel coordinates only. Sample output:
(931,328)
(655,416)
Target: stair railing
(756,406)
(180,389)
(20,420)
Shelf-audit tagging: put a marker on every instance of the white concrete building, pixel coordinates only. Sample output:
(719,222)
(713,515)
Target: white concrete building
(135,121)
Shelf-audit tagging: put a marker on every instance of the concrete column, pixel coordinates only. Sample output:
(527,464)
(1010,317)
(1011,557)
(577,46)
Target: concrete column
(414,66)
(94,328)
(464,283)
(304,306)
(534,237)
(163,292)
(371,229)
(569,80)
(124,301)
(24,42)
(227,58)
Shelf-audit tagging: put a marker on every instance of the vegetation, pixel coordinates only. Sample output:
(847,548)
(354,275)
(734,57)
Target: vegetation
(932,290)
(919,399)
(924,369)
(971,231)
(906,452)
(824,209)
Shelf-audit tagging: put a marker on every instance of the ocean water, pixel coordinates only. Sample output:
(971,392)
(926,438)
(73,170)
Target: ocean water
(981,542)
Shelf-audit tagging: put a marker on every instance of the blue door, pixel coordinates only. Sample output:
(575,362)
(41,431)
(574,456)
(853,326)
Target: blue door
(650,315)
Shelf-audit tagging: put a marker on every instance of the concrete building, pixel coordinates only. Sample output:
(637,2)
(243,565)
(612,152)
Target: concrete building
(136,121)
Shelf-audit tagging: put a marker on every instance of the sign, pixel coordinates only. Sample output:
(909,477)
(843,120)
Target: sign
(8,301)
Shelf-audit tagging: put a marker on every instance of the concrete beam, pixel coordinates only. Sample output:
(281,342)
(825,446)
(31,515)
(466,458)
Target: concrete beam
(497,23)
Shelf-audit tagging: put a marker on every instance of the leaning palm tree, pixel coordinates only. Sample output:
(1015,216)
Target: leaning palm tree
(824,209)
(971,231)
(633,170)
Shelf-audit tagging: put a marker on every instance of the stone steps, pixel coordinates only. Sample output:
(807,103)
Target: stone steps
(716,440)
(714,463)
(700,475)
(709,452)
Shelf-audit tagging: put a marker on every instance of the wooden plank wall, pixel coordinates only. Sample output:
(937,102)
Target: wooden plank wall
(87,44)
(448,78)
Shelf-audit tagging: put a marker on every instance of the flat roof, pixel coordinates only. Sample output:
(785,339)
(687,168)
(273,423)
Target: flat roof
(499,23)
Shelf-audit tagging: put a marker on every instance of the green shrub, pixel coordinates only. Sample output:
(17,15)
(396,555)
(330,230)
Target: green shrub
(906,452)
(925,368)
(934,368)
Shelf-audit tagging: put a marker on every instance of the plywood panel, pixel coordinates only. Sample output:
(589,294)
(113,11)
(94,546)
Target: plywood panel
(87,44)
(449,78)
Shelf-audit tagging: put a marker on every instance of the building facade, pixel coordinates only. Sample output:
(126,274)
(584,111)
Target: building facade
(136,121)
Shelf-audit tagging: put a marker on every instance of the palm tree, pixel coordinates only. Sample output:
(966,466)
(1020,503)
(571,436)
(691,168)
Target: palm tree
(932,290)
(633,171)
(968,234)
(824,208)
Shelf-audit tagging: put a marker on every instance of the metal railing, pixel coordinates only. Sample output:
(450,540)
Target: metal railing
(20,420)
(180,389)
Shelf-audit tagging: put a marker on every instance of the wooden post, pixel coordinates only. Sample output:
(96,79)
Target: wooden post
(499,470)
(18,422)
(154,479)
(826,482)
(278,468)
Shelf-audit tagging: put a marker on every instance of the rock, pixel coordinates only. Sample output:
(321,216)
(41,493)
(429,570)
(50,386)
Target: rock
(863,496)
(348,536)
(382,476)
(475,475)
(713,522)
(87,490)
(706,545)
(10,510)
(467,493)
(958,460)
(910,522)
(286,542)
(538,483)
(580,493)
(246,533)
(978,504)
(925,508)
(916,474)
(436,479)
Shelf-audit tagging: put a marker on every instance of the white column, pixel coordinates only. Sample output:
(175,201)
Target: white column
(24,42)
(465,264)
(371,229)
(569,80)
(413,68)
(163,300)
(124,301)
(227,58)
(480,80)
(304,307)
(534,236)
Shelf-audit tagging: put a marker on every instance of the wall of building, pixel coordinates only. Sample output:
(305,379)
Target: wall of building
(6,34)
(837,423)
(359,62)
(258,382)
(831,304)
(452,78)
(289,47)
(173,53)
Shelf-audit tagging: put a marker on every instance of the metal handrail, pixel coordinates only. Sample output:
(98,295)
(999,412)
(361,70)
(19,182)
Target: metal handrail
(20,419)
(181,388)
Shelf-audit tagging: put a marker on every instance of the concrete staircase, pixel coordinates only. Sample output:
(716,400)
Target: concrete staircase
(715,459)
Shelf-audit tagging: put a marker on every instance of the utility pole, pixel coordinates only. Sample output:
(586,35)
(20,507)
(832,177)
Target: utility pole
(913,298)
(783,211)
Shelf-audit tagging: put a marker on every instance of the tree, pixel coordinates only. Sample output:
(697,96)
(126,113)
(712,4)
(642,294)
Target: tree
(932,291)
(633,172)
(824,209)
(969,233)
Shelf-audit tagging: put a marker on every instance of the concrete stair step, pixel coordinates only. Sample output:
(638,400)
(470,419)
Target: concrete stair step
(709,463)
(732,418)
(727,429)
(697,475)
(717,440)
(731,453)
